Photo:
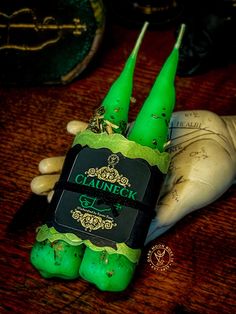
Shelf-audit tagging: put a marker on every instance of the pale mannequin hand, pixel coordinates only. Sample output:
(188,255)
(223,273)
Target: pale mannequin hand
(203,166)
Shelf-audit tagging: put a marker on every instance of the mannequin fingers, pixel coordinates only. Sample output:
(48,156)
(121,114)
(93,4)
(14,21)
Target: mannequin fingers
(51,165)
(73,127)
(42,185)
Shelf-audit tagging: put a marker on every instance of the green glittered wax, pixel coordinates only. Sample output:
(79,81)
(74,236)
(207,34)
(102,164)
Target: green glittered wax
(111,117)
(115,271)
(57,259)
(116,103)
(109,272)
(151,125)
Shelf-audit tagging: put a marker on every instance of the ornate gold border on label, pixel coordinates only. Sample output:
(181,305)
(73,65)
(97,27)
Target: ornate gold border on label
(109,173)
(92,222)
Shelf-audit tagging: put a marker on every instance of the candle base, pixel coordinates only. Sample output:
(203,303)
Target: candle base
(57,259)
(109,272)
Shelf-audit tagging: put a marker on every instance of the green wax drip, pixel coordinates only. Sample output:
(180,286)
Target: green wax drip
(151,125)
(116,102)
(109,272)
(57,259)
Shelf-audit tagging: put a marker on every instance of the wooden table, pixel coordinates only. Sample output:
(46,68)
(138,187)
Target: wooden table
(201,278)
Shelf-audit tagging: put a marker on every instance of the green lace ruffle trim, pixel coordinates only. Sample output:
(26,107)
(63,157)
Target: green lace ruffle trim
(51,234)
(118,143)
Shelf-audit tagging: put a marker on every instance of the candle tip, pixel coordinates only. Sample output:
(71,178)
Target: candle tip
(180,36)
(139,40)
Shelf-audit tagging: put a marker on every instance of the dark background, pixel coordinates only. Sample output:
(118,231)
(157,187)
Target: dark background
(33,126)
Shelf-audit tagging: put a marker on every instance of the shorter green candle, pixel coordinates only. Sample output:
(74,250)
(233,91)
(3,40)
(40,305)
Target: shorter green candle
(116,102)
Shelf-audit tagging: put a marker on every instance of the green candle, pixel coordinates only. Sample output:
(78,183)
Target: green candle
(151,125)
(109,272)
(113,272)
(62,259)
(113,113)
(66,255)
(57,259)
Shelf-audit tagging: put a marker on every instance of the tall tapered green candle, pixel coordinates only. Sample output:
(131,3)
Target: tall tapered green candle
(115,105)
(113,272)
(151,125)
(54,254)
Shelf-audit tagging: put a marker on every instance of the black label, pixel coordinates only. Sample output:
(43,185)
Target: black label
(105,197)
